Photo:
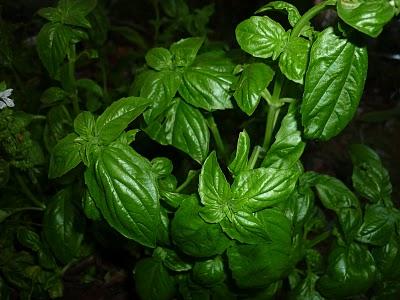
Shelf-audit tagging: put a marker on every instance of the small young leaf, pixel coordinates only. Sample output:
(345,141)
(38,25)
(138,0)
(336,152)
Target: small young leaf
(172,260)
(261,37)
(239,163)
(291,10)
(90,86)
(367,16)
(184,51)
(209,273)
(153,282)
(252,82)
(114,120)
(53,95)
(64,157)
(333,86)
(159,58)
(214,190)
(84,124)
(293,61)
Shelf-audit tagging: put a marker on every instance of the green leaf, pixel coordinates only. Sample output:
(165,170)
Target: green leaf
(52,44)
(351,271)
(65,156)
(261,37)
(152,280)
(336,196)
(257,266)
(90,86)
(172,260)
(370,178)
(63,226)
(294,59)
(128,199)
(116,118)
(288,147)
(84,124)
(160,88)
(183,127)
(159,58)
(252,82)
(53,95)
(50,13)
(73,12)
(184,51)
(378,225)
(194,236)
(207,81)
(29,239)
(266,226)
(162,166)
(333,86)
(291,10)
(89,207)
(367,16)
(214,190)
(387,258)
(209,272)
(257,189)
(240,161)
(305,290)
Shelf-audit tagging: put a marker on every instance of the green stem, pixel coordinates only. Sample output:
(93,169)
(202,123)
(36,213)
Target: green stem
(157,21)
(323,236)
(254,156)
(104,77)
(217,138)
(315,10)
(39,118)
(27,191)
(192,174)
(273,112)
(71,75)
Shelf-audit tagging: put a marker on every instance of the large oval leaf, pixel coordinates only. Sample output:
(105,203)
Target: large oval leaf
(63,226)
(333,86)
(129,197)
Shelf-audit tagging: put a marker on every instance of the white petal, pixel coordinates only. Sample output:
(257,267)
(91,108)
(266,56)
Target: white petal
(9,102)
(2,105)
(6,93)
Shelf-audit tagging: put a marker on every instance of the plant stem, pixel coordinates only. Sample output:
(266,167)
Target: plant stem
(192,174)
(71,75)
(217,138)
(273,112)
(254,156)
(315,10)
(104,77)
(323,236)
(39,118)
(27,191)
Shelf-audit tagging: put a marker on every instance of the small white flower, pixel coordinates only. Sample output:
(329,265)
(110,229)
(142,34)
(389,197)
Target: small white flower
(5,101)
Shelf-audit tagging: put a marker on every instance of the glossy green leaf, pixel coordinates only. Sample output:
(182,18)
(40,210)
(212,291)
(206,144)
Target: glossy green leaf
(252,82)
(288,147)
(172,260)
(387,258)
(370,178)
(257,189)
(29,239)
(116,118)
(89,207)
(209,272)
(162,166)
(184,51)
(378,225)
(333,85)
(160,88)
(214,190)
(367,16)
(52,44)
(90,86)
(306,289)
(64,157)
(207,81)
(163,236)
(257,266)
(63,226)
(193,235)
(53,95)
(299,206)
(152,280)
(266,226)
(240,161)
(351,271)
(159,58)
(291,10)
(294,59)
(261,37)
(73,12)
(183,127)
(84,124)
(50,13)
(130,202)
(173,199)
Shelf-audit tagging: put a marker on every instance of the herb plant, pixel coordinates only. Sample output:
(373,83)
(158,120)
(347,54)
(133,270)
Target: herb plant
(247,223)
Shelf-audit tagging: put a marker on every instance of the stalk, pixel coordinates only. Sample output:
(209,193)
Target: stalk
(217,138)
